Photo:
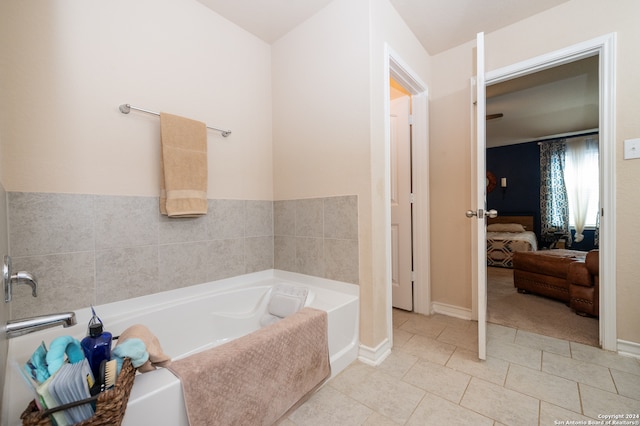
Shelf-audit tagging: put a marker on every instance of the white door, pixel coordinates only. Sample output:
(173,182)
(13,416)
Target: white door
(400,168)
(478,212)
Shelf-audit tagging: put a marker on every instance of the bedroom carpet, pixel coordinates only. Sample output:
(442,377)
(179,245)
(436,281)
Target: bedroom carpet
(536,314)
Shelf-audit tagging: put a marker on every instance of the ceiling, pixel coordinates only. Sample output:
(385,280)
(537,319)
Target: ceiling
(556,101)
(560,100)
(438,24)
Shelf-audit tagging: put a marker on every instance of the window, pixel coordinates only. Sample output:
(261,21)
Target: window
(582,178)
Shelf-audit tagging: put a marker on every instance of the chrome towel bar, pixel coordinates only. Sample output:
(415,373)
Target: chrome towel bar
(126,108)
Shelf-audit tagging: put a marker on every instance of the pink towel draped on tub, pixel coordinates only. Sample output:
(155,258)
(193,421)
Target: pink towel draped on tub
(184,166)
(257,378)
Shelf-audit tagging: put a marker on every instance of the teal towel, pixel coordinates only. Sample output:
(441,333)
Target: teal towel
(132,348)
(58,348)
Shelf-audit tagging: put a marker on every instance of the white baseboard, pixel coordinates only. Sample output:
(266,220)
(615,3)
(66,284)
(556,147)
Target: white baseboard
(627,348)
(375,356)
(451,310)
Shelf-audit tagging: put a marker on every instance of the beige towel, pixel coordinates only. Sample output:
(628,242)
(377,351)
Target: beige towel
(183,186)
(256,379)
(157,358)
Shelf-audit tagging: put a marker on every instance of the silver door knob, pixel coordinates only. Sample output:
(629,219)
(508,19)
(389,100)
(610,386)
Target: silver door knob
(471,213)
(492,213)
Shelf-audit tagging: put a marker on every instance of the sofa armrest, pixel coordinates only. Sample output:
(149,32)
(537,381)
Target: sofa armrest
(578,274)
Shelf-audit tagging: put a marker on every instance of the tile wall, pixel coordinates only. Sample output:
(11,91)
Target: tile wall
(94,249)
(318,236)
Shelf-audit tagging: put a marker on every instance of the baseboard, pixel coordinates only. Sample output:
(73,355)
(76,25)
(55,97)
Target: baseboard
(451,310)
(375,356)
(627,348)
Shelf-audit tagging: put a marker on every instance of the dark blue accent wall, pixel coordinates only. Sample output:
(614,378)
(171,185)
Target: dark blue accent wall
(520,164)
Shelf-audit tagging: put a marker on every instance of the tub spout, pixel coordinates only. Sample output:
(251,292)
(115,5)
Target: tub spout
(29,325)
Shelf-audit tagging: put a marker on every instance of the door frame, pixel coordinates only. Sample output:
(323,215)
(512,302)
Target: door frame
(395,67)
(604,46)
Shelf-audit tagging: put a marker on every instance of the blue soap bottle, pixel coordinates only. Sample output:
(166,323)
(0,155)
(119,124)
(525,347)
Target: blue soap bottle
(97,345)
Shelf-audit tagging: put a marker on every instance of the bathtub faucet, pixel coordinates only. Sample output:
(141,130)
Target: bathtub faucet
(22,277)
(20,327)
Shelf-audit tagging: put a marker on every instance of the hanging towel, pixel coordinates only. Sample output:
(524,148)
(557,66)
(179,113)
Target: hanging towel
(183,186)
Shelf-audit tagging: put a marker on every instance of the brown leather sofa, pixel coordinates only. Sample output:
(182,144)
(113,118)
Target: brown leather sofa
(584,285)
(545,272)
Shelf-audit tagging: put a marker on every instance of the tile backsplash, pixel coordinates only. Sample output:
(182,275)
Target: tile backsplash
(94,249)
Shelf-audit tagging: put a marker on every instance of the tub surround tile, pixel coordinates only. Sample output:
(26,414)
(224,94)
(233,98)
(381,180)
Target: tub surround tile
(341,260)
(284,218)
(225,258)
(182,230)
(225,219)
(129,244)
(258,254)
(284,252)
(259,219)
(125,221)
(182,265)
(309,219)
(41,224)
(65,283)
(126,273)
(310,256)
(325,231)
(341,217)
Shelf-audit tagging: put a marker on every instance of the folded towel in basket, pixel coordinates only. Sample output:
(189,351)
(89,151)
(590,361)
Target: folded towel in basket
(184,166)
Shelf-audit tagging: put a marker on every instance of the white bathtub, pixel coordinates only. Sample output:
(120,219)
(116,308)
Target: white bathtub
(186,321)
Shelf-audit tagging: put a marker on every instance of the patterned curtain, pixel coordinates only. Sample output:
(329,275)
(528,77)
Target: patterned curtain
(554,205)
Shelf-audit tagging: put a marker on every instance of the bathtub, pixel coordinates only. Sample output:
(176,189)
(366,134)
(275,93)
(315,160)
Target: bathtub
(187,321)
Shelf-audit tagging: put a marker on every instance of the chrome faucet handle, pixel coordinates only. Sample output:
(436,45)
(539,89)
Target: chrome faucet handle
(27,278)
(22,277)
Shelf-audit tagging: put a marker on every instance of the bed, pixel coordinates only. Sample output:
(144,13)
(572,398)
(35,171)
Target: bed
(507,235)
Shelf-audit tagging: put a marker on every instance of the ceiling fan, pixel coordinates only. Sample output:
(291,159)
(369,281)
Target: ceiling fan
(494,116)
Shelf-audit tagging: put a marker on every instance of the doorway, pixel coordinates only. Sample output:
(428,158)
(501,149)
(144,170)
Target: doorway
(604,47)
(524,115)
(401,73)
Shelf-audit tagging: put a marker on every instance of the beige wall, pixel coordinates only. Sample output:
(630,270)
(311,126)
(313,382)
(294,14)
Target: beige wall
(328,88)
(73,63)
(565,25)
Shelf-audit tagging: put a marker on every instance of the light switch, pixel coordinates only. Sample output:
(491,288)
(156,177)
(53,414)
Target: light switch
(631,149)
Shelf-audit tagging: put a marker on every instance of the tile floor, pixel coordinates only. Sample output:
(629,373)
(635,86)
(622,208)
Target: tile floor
(433,377)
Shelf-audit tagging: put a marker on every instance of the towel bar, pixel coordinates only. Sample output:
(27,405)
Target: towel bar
(126,108)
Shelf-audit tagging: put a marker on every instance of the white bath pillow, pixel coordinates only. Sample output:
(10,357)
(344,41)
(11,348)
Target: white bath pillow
(285,300)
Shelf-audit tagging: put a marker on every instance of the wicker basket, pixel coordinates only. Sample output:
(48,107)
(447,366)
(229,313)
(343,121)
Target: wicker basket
(110,404)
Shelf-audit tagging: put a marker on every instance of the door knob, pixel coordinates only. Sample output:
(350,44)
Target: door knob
(471,213)
(492,213)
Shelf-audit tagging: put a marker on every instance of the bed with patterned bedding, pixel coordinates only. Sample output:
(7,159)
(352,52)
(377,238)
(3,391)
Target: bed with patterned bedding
(511,234)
